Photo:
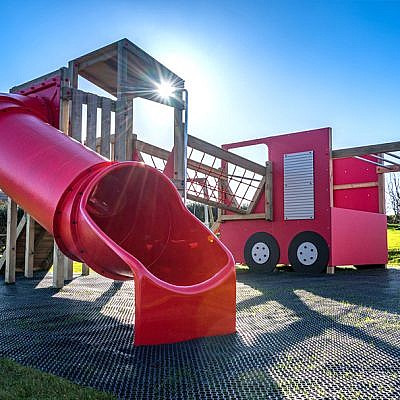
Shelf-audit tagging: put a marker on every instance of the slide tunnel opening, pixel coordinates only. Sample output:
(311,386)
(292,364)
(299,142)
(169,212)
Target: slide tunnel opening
(138,208)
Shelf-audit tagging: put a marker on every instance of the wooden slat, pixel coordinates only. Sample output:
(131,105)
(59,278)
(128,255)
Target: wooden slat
(76,116)
(11,241)
(91,126)
(355,185)
(365,150)
(216,151)
(269,211)
(120,131)
(235,217)
(29,246)
(105,128)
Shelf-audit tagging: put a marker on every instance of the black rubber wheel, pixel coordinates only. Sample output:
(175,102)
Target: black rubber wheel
(261,252)
(371,266)
(309,252)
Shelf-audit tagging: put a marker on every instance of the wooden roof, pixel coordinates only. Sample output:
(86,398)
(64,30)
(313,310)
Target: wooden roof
(122,67)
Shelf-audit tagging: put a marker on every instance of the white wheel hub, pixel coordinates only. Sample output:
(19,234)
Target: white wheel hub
(307,253)
(260,253)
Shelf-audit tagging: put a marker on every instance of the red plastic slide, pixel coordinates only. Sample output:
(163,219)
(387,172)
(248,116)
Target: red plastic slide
(125,220)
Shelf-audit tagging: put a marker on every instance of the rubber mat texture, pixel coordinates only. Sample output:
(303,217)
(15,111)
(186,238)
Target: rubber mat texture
(298,337)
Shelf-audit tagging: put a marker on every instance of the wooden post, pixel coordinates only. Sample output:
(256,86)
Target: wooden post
(105,128)
(123,109)
(381,189)
(68,269)
(73,74)
(179,149)
(269,211)
(330,270)
(58,267)
(29,246)
(62,265)
(85,269)
(11,243)
(76,115)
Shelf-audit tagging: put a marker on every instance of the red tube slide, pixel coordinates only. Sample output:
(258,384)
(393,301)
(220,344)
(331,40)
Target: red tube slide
(125,220)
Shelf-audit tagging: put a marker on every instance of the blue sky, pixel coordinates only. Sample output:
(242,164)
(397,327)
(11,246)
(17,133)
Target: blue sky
(253,68)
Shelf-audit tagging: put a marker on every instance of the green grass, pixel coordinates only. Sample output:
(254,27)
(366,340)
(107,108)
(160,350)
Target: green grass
(394,245)
(23,383)
(77,268)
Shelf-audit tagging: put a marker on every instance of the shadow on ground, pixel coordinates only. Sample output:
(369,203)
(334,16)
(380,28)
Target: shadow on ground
(319,337)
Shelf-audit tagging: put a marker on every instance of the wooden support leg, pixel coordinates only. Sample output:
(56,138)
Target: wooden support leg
(68,269)
(11,243)
(330,270)
(29,246)
(85,269)
(58,268)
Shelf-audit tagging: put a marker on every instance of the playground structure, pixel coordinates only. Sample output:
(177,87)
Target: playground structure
(106,213)
(307,199)
(309,206)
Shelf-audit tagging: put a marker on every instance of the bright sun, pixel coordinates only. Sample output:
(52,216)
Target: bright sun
(165,90)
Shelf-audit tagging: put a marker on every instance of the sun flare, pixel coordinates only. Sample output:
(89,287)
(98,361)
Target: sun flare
(165,90)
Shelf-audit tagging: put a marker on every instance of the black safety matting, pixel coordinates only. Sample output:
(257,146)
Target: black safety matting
(299,337)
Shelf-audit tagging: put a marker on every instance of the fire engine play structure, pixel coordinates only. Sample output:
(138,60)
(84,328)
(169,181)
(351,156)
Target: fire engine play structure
(308,206)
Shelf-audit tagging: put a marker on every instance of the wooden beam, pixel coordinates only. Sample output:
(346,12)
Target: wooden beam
(236,217)
(29,246)
(67,94)
(150,149)
(216,151)
(365,150)
(387,169)
(163,154)
(355,185)
(215,204)
(37,81)
(269,187)
(256,196)
(11,241)
(58,267)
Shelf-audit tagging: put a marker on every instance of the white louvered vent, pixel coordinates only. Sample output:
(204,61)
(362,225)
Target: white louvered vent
(299,185)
